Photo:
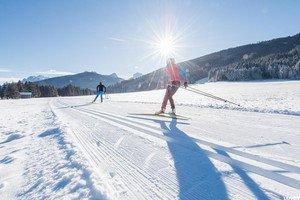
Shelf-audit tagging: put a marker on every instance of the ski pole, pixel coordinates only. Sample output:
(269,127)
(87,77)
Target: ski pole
(208,95)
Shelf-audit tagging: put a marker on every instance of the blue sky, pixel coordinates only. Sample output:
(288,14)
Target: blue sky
(61,37)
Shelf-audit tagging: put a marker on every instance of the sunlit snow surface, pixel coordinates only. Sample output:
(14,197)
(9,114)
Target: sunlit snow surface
(66,148)
(271,97)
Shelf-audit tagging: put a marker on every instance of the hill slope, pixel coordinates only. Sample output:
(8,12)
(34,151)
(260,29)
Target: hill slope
(284,50)
(83,80)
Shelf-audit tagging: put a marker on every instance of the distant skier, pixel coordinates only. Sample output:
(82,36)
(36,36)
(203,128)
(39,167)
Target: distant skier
(176,74)
(101,90)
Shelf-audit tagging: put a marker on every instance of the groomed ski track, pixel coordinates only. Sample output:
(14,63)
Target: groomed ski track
(138,157)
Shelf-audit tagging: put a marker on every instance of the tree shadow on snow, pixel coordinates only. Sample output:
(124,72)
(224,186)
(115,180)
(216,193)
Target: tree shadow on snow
(197,177)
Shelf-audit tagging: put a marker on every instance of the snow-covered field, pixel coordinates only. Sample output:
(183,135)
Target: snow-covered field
(65,148)
(271,97)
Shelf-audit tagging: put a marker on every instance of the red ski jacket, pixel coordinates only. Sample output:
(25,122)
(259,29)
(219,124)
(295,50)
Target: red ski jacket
(173,72)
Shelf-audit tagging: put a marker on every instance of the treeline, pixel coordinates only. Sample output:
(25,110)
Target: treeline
(274,66)
(12,90)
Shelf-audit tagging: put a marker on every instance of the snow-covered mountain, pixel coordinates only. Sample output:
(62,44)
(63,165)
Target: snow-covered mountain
(34,78)
(83,80)
(137,75)
(114,75)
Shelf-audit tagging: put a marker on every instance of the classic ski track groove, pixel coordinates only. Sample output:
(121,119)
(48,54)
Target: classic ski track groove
(97,136)
(172,181)
(107,157)
(92,158)
(136,179)
(265,173)
(243,122)
(129,163)
(140,170)
(267,161)
(164,115)
(121,169)
(88,151)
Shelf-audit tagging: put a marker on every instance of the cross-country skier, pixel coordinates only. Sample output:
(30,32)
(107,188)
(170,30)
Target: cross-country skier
(176,74)
(101,89)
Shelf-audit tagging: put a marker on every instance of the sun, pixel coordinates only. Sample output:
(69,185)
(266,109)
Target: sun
(165,39)
(163,45)
(166,46)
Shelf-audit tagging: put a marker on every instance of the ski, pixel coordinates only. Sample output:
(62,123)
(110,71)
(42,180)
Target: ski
(180,117)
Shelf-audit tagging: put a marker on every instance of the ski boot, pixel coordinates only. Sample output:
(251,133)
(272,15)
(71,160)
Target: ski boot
(173,112)
(161,111)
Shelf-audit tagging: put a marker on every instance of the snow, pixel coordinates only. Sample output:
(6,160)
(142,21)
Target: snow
(36,160)
(266,97)
(11,137)
(65,148)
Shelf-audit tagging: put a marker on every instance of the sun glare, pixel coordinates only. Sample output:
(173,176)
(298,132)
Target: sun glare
(166,46)
(166,39)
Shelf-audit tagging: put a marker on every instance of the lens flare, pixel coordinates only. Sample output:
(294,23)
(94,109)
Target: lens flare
(166,46)
(164,37)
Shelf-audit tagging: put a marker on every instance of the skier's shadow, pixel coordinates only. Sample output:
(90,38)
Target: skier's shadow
(196,175)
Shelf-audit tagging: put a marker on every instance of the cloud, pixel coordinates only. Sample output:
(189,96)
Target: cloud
(117,39)
(4,70)
(53,72)
(8,79)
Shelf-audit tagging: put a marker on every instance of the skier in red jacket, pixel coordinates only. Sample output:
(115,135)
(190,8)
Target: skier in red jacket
(174,73)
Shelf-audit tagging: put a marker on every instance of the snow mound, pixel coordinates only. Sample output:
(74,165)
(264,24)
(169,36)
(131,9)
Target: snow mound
(49,132)
(61,173)
(245,109)
(11,137)
(7,160)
